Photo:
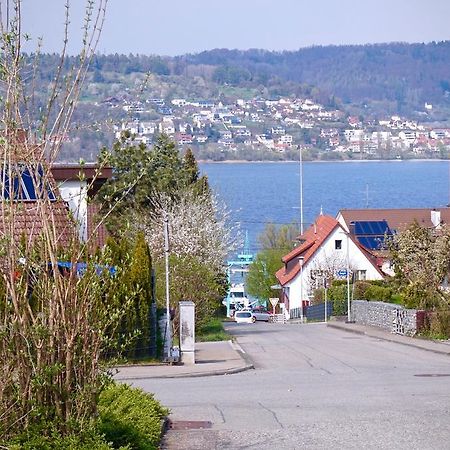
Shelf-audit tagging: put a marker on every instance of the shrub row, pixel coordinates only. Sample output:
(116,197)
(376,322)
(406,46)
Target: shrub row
(129,419)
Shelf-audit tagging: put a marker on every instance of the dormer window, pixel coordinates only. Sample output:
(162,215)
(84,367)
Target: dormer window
(338,244)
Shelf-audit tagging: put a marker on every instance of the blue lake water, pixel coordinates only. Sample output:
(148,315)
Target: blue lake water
(258,193)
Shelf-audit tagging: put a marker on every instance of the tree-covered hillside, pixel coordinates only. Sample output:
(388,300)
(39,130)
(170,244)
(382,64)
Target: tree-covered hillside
(401,75)
(404,74)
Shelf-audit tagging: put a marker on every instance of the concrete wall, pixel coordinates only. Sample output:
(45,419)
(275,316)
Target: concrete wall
(390,317)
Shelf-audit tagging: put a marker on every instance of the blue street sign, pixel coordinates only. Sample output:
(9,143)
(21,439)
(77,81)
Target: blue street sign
(342,273)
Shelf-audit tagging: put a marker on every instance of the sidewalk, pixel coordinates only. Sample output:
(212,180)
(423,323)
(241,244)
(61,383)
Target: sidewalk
(227,357)
(212,358)
(441,347)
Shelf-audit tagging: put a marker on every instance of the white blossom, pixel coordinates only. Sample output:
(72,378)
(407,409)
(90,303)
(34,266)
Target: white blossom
(198,226)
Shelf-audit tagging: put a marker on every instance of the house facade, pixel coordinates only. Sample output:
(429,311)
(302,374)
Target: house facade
(326,251)
(31,201)
(76,190)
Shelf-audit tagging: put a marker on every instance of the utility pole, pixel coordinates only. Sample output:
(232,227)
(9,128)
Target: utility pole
(301,261)
(168,333)
(349,314)
(301,193)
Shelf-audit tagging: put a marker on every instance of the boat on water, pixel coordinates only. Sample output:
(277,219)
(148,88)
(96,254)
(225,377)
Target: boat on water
(237,295)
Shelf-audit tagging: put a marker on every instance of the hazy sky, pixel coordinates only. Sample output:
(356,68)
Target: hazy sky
(174,27)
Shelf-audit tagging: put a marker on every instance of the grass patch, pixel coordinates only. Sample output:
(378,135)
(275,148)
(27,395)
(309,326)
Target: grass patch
(144,360)
(212,331)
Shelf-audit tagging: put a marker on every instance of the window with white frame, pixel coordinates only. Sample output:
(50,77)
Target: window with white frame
(361,275)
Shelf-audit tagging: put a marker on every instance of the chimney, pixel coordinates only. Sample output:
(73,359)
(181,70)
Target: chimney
(436,218)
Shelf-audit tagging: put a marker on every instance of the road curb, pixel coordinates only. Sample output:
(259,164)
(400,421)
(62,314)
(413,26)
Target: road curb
(247,359)
(190,375)
(389,339)
(246,364)
(349,330)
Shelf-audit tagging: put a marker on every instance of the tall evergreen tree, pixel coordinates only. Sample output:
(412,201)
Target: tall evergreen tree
(140,172)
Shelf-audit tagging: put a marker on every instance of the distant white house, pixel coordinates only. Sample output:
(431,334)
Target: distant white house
(167,126)
(148,127)
(309,105)
(279,131)
(179,102)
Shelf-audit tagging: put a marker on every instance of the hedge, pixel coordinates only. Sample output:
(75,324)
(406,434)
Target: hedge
(130,416)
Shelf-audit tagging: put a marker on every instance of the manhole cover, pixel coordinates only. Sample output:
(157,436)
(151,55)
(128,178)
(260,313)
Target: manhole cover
(432,375)
(189,424)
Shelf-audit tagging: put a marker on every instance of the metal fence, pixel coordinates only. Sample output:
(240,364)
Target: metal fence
(295,313)
(317,312)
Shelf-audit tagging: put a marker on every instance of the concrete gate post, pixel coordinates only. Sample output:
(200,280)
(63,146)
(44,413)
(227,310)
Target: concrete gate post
(187,332)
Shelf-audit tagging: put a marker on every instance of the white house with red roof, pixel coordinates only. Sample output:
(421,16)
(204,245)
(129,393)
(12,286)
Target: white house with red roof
(326,251)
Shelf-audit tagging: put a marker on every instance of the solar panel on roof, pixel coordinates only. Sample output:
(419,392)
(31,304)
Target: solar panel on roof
(371,234)
(371,242)
(25,185)
(371,228)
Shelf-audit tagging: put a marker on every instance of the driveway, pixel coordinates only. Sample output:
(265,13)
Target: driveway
(314,387)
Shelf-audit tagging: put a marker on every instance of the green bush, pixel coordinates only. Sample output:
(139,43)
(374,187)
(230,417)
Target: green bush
(34,438)
(130,416)
(319,296)
(129,419)
(338,295)
(420,296)
(359,290)
(378,293)
(439,324)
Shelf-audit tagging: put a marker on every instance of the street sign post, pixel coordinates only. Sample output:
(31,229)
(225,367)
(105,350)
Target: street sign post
(273,302)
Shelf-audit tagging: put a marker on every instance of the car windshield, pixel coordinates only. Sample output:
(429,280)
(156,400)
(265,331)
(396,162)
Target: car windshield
(243,314)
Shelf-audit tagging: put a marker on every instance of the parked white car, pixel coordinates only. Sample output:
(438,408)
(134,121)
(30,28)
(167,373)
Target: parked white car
(244,316)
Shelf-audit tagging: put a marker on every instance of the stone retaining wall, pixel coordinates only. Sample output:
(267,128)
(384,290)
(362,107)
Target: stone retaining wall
(390,317)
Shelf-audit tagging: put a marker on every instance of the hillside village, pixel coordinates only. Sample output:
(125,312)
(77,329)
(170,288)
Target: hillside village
(280,126)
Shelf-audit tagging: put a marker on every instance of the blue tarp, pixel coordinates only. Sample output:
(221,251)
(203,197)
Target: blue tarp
(82,267)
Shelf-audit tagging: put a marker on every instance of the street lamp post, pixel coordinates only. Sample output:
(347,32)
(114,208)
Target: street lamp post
(301,260)
(349,316)
(301,193)
(168,333)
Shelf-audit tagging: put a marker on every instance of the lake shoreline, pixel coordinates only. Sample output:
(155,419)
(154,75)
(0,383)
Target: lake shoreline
(243,161)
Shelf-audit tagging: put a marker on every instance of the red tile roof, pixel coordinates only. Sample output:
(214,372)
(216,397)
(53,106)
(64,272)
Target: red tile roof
(312,239)
(97,233)
(28,219)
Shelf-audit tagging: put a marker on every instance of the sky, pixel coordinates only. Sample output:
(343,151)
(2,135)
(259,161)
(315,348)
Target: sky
(176,27)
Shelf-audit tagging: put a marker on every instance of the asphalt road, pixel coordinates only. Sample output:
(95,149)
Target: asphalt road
(314,387)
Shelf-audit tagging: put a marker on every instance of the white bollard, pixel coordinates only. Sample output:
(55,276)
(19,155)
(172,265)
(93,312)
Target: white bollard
(187,332)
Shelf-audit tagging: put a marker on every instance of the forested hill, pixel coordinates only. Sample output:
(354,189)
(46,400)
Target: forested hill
(396,77)
(408,74)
